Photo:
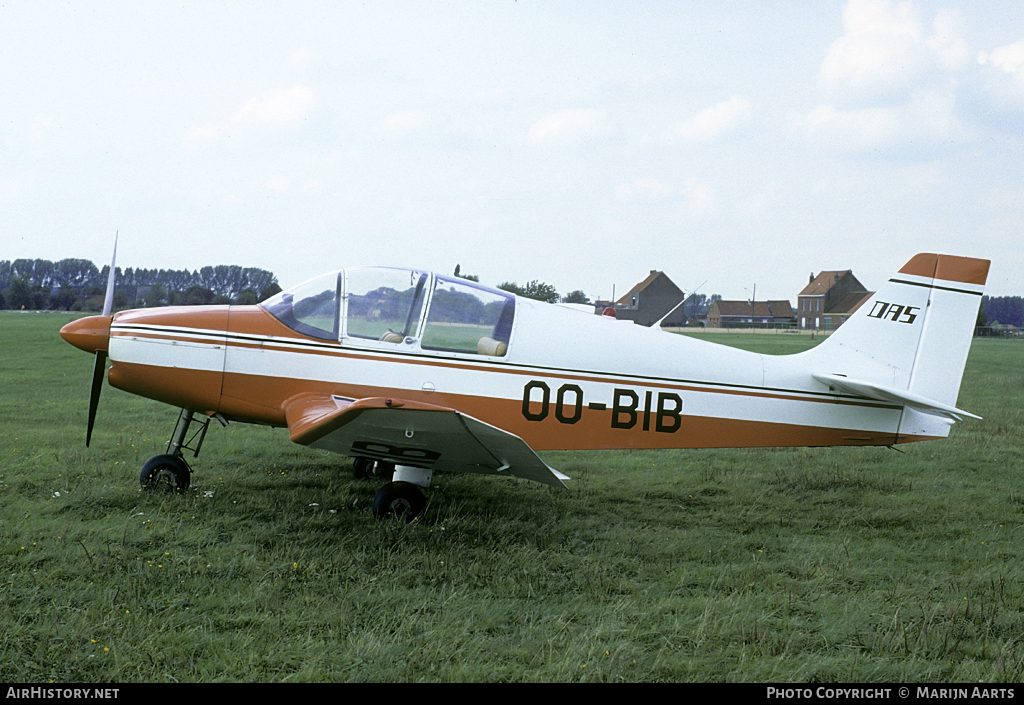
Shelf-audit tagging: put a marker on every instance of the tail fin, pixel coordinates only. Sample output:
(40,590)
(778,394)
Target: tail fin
(909,342)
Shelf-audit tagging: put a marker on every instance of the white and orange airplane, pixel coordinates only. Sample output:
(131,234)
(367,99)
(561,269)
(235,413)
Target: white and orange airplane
(416,372)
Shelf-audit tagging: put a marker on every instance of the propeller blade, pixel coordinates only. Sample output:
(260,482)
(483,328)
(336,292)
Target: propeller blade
(100,366)
(98,370)
(108,300)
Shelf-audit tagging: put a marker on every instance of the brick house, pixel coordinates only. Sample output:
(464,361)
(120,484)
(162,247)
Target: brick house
(829,299)
(647,302)
(741,314)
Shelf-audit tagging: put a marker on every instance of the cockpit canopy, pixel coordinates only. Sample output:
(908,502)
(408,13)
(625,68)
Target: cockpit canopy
(374,305)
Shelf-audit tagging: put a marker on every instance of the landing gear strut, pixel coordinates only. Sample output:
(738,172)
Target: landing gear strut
(169,472)
(365,467)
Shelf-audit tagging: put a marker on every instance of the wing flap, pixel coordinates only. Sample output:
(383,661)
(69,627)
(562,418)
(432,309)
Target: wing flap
(413,433)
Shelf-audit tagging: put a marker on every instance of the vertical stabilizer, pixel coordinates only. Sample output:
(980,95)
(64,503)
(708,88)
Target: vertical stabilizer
(909,342)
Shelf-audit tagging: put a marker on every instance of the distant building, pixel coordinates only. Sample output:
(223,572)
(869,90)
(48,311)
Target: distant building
(829,299)
(648,302)
(743,314)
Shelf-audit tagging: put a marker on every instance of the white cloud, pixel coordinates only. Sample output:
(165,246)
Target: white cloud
(886,53)
(862,128)
(888,82)
(1006,77)
(1010,58)
(398,125)
(883,49)
(277,109)
(927,118)
(714,122)
(567,126)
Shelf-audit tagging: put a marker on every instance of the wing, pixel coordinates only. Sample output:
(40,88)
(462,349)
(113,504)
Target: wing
(412,433)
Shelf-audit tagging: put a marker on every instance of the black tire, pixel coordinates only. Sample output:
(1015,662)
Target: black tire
(383,469)
(165,473)
(401,500)
(361,467)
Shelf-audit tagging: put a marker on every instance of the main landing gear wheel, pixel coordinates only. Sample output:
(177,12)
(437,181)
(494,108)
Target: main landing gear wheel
(165,473)
(402,500)
(361,467)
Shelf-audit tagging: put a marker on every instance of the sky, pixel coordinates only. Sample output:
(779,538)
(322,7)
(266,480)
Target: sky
(736,146)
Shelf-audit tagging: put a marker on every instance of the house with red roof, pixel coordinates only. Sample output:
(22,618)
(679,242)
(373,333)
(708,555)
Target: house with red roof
(829,299)
(747,314)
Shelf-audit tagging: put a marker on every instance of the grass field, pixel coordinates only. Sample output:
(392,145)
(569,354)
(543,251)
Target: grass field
(800,565)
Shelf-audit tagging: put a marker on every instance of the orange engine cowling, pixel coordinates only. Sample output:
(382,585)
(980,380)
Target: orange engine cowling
(174,355)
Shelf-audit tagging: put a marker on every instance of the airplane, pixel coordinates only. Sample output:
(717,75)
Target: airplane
(410,372)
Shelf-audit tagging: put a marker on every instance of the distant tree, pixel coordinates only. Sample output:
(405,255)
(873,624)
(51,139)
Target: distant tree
(76,273)
(269,290)
(246,297)
(19,294)
(198,296)
(1008,310)
(38,277)
(534,290)
(65,298)
(120,299)
(541,292)
(157,295)
(470,277)
(576,297)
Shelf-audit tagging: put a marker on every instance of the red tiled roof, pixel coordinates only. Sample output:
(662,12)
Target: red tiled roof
(762,309)
(822,283)
(639,287)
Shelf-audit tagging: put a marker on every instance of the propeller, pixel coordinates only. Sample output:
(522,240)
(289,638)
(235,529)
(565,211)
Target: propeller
(100,366)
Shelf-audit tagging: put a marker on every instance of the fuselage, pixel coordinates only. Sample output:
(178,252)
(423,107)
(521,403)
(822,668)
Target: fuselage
(556,377)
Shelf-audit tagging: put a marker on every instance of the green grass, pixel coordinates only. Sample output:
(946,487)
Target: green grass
(800,565)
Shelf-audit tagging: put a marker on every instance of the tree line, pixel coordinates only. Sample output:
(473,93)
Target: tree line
(75,284)
(1005,310)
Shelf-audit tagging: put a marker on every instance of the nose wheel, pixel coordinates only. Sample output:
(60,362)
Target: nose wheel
(169,472)
(165,473)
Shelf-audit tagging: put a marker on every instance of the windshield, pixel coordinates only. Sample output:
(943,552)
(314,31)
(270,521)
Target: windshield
(386,304)
(310,308)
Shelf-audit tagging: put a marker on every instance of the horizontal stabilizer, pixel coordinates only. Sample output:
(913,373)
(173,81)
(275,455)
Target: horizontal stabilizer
(880,392)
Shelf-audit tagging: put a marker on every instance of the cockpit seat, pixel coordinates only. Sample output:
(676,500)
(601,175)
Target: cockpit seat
(490,346)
